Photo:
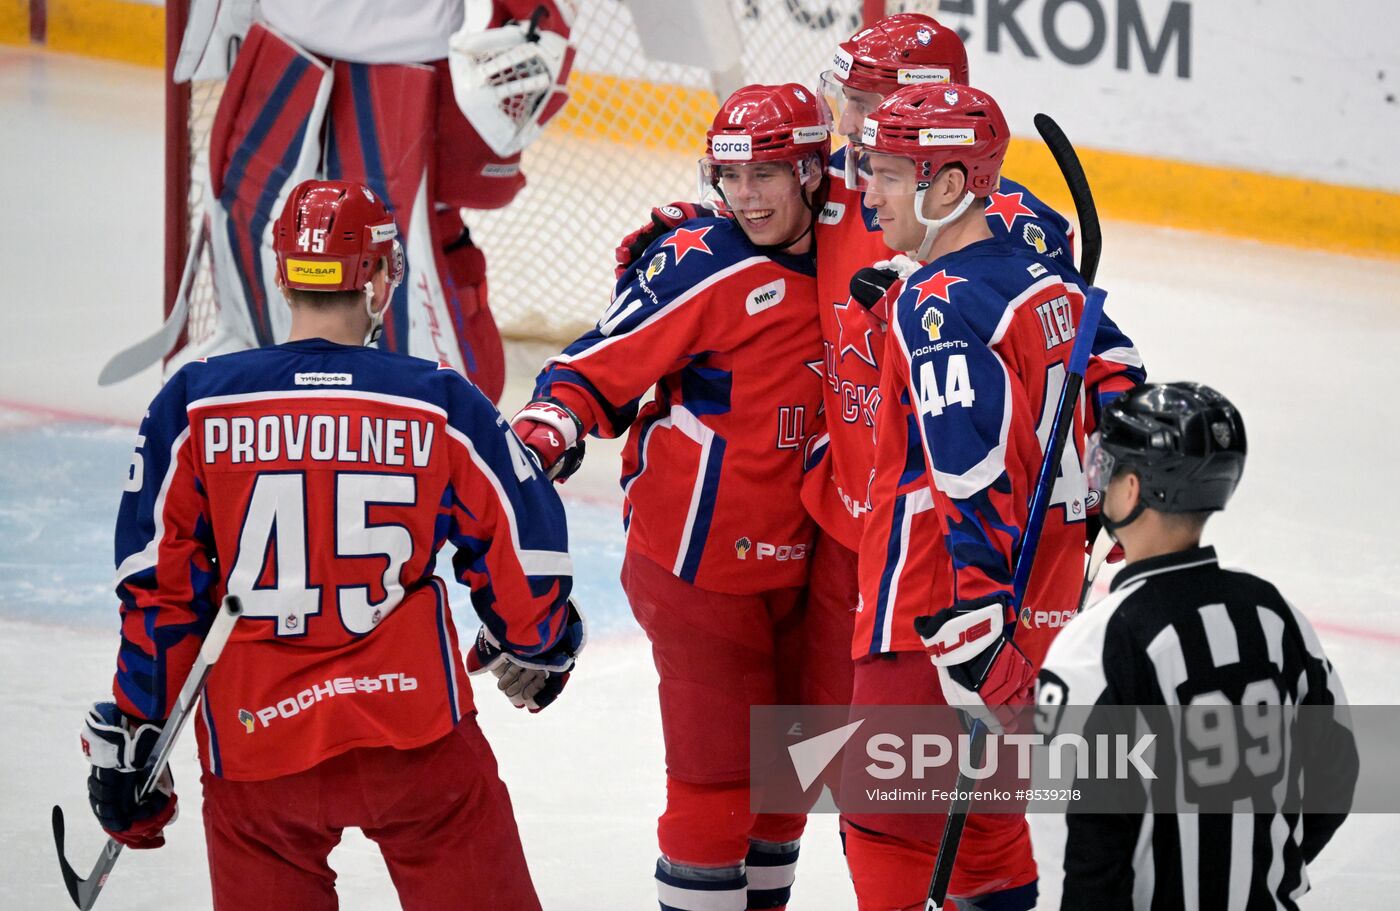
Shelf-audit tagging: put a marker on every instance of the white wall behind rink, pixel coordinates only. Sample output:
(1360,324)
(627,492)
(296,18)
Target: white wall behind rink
(1301,88)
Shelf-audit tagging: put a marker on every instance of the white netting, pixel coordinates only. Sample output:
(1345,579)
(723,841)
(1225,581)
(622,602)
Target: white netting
(627,141)
(204,309)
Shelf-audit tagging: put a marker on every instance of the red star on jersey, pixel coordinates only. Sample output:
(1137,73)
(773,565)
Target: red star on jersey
(842,346)
(686,239)
(1008,207)
(935,285)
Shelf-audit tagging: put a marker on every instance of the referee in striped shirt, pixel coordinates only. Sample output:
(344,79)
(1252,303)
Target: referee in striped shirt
(1178,630)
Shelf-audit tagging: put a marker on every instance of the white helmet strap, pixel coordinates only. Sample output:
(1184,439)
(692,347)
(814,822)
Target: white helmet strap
(932,226)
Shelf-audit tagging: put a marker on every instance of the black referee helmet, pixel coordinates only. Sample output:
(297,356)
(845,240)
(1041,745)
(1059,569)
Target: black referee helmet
(1184,441)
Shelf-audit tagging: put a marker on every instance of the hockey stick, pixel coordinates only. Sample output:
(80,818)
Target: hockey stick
(1025,560)
(131,361)
(1090,248)
(84,891)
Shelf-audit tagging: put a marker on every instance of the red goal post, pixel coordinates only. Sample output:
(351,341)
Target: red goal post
(628,140)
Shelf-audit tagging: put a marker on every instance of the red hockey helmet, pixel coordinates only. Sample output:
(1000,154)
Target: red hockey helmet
(939,125)
(770,123)
(899,50)
(767,123)
(331,235)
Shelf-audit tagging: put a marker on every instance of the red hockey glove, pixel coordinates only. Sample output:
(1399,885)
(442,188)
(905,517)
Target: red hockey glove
(981,671)
(553,434)
(535,682)
(118,748)
(663,219)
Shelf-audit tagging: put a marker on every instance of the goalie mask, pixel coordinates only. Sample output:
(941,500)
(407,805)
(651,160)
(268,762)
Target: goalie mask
(509,80)
(932,126)
(765,161)
(899,50)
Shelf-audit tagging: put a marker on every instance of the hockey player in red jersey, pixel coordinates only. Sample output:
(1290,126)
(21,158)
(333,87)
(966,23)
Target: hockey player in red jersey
(903,49)
(317,480)
(427,102)
(717,321)
(975,358)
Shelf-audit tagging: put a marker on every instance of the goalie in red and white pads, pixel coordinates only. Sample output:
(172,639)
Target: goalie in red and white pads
(427,102)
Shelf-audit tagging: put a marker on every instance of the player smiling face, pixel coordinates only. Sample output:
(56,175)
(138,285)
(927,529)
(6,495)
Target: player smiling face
(768,202)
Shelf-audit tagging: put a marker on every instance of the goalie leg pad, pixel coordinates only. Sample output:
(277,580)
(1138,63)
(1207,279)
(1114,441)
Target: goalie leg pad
(265,140)
(465,297)
(381,123)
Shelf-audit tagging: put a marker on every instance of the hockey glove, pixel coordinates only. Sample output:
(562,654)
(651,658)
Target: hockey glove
(553,434)
(534,682)
(981,671)
(663,220)
(119,749)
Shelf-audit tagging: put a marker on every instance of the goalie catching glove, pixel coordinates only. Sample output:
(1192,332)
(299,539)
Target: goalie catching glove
(509,81)
(534,682)
(119,749)
(980,669)
(553,435)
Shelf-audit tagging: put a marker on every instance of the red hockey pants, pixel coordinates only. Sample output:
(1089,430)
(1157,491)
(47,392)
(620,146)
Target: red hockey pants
(439,813)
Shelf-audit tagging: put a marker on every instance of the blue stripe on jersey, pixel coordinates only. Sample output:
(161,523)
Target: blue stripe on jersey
(894,547)
(619,418)
(970,534)
(706,390)
(445,643)
(704,515)
(375,179)
(238,165)
(647,427)
(216,762)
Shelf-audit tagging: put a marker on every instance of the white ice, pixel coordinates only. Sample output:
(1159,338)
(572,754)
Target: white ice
(1305,343)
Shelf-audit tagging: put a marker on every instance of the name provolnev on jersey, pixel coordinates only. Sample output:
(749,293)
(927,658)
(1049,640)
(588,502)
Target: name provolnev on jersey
(322,438)
(309,697)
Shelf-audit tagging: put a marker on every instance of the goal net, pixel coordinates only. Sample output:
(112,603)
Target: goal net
(628,140)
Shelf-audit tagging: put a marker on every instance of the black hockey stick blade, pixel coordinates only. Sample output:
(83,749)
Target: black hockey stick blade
(1091,238)
(83,891)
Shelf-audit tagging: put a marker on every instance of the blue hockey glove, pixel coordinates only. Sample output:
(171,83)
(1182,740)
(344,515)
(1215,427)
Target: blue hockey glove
(119,750)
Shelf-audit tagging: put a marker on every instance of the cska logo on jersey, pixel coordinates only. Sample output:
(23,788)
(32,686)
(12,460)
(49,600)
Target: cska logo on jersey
(1008,207)
(683,240)
(932,322)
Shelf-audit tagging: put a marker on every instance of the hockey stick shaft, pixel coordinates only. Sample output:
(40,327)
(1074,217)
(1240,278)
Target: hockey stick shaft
(1025,562)
(84,892)
(130,361)
(1091,246)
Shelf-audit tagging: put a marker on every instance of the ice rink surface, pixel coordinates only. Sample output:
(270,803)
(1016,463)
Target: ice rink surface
(1306,344)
